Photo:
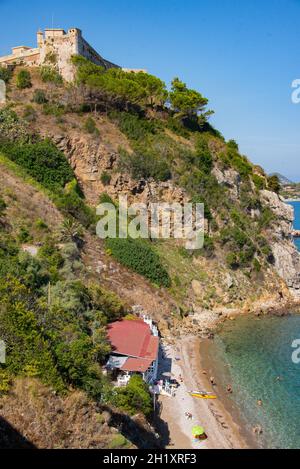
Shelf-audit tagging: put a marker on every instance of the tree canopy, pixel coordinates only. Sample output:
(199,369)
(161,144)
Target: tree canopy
(128,87)
(186,102)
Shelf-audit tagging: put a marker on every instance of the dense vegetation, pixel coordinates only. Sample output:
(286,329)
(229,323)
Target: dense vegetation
(52,323)
(50,75)
(42,161)
(138,255)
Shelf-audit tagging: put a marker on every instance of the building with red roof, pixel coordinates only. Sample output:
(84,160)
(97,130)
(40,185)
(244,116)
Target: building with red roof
(135,347)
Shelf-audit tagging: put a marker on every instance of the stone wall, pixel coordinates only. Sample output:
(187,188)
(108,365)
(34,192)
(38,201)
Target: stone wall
(88,52)
(60,48)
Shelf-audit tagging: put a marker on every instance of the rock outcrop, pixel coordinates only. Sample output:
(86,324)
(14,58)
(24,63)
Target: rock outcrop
(228,178)
(90,159)
(286,255)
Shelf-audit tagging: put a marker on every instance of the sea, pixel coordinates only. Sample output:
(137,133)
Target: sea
(255,356)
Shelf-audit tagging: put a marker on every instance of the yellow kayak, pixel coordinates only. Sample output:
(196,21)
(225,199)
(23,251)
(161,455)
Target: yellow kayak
(199,395)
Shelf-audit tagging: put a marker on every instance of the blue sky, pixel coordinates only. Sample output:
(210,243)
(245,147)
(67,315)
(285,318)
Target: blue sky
(241,54)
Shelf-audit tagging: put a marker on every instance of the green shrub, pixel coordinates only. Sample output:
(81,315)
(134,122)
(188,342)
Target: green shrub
(51,259)
(203,158)
(118,441)
(41,225)
(23,79)
(238,162)
(11,127)
(24,235)
(208,247)
(240,244)
(72,204)
(266,218)
(177,127)
(232,260)
(138,255)
(50,75)
(106,199)
(29,114)
(3,206)
(5,74)
(90,126)
(233,145)
(51,58)
(274,184)
(39,97)
(105,178)
(41,160)
(144,164)
(134,398)
(54,109)
(234,234)
(5,381)
(259,182)
(134,127)
(106,301)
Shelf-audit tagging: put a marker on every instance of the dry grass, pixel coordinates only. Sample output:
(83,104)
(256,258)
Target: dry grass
(49,421)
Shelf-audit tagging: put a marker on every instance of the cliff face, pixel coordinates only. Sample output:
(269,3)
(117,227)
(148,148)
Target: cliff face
(286,255)
(90,159)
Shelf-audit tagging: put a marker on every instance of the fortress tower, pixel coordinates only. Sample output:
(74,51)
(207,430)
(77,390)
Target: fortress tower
(55,47)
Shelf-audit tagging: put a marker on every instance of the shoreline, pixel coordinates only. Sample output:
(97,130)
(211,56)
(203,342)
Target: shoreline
(222,425)
(291,200)
(222,420)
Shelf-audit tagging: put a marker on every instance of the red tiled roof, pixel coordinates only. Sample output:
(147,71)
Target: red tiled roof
(136,364)
(134,339)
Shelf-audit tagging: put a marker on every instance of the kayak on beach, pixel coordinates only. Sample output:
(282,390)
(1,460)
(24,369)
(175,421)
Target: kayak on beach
(202,395)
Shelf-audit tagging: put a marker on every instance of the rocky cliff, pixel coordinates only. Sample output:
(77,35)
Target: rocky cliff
(286,255)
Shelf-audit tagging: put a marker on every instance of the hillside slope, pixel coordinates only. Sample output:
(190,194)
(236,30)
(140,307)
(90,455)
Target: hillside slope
(243,187)
(63,149)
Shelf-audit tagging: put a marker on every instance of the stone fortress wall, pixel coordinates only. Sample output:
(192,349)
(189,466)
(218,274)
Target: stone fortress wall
(56,46)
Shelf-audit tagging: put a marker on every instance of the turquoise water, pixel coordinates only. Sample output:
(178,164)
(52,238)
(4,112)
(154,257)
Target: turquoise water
(254,352)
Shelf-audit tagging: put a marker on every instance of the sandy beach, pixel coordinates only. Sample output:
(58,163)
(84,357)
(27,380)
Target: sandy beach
(222,431)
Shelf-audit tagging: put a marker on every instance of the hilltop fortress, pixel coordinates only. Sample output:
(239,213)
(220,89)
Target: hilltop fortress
(56,47)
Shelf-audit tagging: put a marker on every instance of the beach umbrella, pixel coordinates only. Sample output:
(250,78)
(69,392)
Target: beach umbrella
(198,431)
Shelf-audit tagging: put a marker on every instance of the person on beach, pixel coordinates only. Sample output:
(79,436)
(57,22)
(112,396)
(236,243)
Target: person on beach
(229,389)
